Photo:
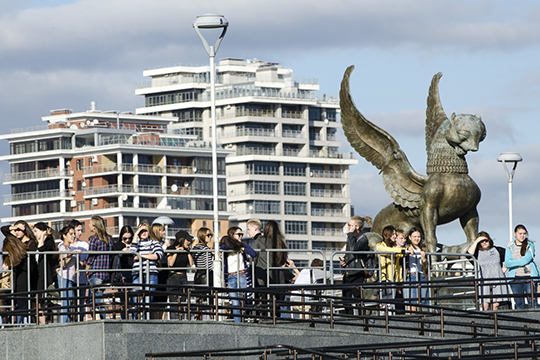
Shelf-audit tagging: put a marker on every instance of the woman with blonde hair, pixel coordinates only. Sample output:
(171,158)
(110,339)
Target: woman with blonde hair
(101,241)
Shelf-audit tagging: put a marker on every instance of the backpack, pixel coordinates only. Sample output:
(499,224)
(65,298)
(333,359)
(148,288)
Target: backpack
(372,265)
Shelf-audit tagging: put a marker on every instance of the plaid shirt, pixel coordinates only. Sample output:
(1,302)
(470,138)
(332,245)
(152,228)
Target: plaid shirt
(99,262)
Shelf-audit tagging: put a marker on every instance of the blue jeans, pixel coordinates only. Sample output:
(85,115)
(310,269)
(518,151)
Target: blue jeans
(98,293)
(411,291)
(236,281)
(152,279)
(523,288)
(67,295)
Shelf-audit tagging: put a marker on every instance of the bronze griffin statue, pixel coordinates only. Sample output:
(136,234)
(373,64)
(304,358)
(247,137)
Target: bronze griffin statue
(446,193)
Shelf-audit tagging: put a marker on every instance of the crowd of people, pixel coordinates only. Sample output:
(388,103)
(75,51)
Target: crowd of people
(401,259)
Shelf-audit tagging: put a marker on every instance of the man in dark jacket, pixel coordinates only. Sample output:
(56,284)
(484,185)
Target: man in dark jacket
(355,262)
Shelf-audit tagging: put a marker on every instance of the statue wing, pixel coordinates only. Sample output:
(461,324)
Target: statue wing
(434,113)
(379,148)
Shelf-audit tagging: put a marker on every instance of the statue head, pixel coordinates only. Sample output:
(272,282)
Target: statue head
(465,132)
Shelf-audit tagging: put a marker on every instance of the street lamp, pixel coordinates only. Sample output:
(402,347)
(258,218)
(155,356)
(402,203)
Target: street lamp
(213,21)
(510,158)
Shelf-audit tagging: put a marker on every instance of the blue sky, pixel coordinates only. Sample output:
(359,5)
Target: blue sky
(64,54)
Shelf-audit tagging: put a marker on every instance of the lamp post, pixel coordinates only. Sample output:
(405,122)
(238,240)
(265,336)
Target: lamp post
(510,158)
(213,21)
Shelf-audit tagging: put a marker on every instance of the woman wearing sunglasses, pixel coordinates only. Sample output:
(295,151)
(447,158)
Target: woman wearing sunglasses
(490,259)
(236,266)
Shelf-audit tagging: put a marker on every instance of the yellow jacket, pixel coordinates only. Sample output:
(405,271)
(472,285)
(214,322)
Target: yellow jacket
(386,263)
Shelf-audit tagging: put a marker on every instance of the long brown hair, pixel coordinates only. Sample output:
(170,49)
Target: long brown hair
(274,234)
(387,235)
(27,229)
(16,250)
(201,236)
(154,234)
(421,243)
(99,228)
(490,240)
(525,242)
(49,234)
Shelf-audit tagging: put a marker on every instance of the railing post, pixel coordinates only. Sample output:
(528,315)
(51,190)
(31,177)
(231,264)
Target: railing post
(126,306)
(274,309)
(442,323)
(189,304)
(533,304)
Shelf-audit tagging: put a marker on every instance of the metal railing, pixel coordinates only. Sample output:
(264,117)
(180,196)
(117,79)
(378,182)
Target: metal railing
(327,303)
(34,195)
(37,174)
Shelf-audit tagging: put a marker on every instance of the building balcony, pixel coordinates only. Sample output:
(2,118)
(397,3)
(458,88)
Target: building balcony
(291,114)
(147,189)
(107,168)
(321,154)
(328,193)
(35,175)
(255,151)
(326,232)
(291,152)
(327,212)
(327,174)
(36,195)
(293,134)
(255,132)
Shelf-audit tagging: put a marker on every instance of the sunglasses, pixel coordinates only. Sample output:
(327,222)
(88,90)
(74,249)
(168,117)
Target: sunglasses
(239,234)
(127,238)
(18,230)
(484,241)
(209,235)
(143,231)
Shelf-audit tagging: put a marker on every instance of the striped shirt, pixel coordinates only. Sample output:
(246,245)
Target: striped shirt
(146,247)
(202,259)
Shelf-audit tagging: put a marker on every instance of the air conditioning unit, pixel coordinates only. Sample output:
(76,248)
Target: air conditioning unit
(73,193)
(94,159)
(70,183)
(73,203)
(94,201)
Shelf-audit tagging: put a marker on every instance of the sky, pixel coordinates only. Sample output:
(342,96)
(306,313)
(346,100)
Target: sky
(65,54)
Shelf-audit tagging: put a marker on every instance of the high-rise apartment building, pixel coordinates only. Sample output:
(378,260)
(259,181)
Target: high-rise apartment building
(126,168)
(286,165)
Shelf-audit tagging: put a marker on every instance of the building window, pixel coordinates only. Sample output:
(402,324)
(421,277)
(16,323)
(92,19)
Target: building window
(263,187)
(79,185)
(188,115)
(331,115)
(263,168)
(80,164)
(294,188)
(264,207)
(80,205)
(297,245)
(294,169)
(314,114)
(296,227)
(295,208)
